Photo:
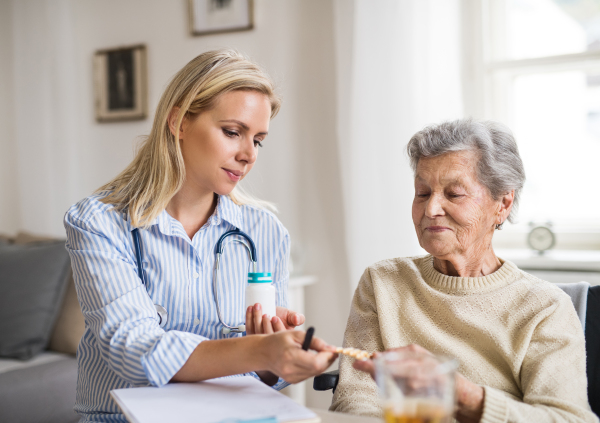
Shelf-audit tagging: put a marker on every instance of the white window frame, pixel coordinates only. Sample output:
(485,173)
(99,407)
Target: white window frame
(485,78)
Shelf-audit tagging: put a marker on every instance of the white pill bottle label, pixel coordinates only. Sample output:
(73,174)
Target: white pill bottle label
(260,289)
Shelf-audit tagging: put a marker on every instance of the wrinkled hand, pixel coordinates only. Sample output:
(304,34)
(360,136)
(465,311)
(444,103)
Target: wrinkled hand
(259,323)
(469,396)
(289,361)
(369,367)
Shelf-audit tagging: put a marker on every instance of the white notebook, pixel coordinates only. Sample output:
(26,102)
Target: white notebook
(213,401)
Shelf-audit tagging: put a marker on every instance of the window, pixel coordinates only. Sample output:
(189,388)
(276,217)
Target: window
(539,72)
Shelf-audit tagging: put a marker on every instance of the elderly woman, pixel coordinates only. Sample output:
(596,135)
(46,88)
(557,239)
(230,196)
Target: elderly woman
(518,339)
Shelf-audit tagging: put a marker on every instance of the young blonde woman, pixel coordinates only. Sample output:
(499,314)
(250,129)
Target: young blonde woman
(180,194)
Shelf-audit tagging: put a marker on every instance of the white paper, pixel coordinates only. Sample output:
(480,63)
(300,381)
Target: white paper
(212,401)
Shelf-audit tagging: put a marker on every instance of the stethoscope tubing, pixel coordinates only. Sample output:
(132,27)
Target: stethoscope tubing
(219,249)
(163,314)
(138,255)
(219,246)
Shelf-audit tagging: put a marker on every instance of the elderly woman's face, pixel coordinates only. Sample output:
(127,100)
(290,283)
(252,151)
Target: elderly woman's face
(453,213)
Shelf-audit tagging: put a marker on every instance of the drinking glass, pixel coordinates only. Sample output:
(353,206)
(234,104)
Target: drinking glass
(416,387)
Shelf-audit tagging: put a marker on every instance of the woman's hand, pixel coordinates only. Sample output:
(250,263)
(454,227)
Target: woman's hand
(469,395)
(291,319)
(285,357)
(280,353)
(259,323)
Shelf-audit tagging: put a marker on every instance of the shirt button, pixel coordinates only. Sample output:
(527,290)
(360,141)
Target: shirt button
(196,275)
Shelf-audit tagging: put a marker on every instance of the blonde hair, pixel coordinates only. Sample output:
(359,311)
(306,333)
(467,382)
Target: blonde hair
(157,172)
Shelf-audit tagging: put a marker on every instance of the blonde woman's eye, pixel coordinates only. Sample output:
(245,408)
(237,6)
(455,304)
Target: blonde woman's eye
(230,134)
(257,143)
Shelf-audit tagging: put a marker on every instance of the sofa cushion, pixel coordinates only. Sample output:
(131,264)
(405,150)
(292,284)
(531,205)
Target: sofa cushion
(70,325)
(44,392)
(33,279)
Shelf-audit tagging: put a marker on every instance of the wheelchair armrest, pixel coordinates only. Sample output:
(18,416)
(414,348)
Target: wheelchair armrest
(326,381)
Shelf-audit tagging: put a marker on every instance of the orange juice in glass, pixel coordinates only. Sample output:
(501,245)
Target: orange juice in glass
(416,387)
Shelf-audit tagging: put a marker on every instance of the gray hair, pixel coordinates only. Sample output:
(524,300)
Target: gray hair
(500,168)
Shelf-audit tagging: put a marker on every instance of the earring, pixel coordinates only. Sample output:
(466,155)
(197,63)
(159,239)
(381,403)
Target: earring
(499,226)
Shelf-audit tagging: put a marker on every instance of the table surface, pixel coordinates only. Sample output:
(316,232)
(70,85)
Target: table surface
(329,417)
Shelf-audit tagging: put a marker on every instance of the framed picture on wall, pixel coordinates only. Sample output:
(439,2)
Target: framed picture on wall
(210,16)
(120,84)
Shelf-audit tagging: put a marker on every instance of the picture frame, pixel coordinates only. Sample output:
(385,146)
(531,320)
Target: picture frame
(214,16)
(120,84)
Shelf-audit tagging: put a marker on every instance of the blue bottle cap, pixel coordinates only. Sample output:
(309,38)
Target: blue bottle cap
(260,278)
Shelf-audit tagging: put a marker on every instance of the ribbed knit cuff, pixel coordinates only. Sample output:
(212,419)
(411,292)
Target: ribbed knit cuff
(495,407)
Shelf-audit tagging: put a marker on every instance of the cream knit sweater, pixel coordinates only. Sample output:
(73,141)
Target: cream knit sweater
(516,335)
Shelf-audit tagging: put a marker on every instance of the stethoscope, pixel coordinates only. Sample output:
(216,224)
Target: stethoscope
(163,315)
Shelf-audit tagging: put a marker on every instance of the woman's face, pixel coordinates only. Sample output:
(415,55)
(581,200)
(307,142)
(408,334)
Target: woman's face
(221,144)
(454,215)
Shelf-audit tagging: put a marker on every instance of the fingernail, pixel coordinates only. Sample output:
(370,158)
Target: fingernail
(268,317)
(274,319)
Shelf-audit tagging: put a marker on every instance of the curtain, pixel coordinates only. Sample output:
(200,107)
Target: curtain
(398,70)
(45,112)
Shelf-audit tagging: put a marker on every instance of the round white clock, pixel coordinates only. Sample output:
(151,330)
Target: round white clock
(541,238)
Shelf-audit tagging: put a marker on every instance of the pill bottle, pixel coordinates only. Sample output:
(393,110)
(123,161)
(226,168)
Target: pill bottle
(260,289)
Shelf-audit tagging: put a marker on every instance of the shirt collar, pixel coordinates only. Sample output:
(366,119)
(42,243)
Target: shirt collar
(163,221)
(226,211)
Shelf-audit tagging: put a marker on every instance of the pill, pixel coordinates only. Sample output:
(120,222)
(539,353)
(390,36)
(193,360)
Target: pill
(354,352)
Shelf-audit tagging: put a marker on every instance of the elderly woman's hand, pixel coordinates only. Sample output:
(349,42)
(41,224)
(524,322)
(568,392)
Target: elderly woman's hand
(469,395)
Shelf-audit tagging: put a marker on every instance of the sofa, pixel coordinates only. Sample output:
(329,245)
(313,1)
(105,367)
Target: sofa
(40,327)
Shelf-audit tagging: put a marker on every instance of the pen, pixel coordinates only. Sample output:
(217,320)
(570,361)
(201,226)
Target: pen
(308,338)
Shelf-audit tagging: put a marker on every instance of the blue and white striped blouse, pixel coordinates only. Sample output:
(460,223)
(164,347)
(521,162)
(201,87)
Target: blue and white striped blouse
(123,345)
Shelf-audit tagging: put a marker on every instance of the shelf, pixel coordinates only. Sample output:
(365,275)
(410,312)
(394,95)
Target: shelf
(565,260)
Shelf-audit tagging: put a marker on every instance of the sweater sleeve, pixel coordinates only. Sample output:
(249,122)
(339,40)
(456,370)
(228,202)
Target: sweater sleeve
(356,392)
(553,375)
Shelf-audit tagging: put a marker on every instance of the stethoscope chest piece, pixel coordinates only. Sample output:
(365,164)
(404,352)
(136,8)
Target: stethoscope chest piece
(163,316)
(238,329)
